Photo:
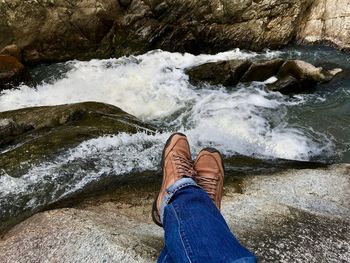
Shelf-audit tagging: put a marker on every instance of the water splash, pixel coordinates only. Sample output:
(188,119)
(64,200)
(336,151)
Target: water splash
(154,87)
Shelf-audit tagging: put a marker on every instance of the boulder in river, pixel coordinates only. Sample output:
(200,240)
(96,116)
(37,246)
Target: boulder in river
(223,72)
(292,76)
(44,131)
(12,72)
(297,76)
(262,70)
(33,137)
(301,70)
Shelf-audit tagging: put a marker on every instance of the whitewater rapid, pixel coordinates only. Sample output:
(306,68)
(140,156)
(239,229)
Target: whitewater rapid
(247,120)
(154,87)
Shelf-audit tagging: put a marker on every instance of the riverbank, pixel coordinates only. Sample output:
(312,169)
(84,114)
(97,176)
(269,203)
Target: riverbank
(60,30)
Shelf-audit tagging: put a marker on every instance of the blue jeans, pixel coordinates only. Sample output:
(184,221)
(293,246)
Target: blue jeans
(195,230)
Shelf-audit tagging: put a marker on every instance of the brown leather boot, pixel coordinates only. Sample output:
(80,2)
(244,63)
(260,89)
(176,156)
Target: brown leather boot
(210,173)
(176,163)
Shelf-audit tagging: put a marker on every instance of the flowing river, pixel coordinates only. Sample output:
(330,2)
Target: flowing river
(244,119)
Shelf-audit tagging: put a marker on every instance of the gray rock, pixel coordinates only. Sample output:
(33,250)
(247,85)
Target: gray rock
(305,73)
(301,70)
(327,22)
(293,76)
(262,70)
(296,215)
(9,129)
(224,72)
(297,76)
(287,84)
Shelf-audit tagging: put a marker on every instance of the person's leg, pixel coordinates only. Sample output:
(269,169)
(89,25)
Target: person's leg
(195,230)
(164,256)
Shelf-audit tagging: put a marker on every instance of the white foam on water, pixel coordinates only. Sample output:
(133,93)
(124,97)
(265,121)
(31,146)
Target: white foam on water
(149,86)
(250,122)
(154,87)
(88,162)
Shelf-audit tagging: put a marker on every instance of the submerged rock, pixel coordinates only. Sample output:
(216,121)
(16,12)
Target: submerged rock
(12,72)
(295,215)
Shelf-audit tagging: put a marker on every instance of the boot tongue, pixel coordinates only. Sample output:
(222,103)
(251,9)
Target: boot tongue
(182,148)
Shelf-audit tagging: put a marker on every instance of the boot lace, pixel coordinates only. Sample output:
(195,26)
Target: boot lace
(209,184)
(184,167)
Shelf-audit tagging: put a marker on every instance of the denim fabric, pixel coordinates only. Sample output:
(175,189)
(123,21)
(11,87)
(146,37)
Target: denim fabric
(195,231)
(179,184)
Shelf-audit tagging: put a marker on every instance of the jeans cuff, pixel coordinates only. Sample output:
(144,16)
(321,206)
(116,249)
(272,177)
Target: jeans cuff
(179,184)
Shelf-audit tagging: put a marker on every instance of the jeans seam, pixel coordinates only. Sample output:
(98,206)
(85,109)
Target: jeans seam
(165,258)
(179,230)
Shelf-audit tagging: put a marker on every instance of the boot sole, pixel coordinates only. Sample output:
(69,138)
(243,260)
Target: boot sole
(155,215)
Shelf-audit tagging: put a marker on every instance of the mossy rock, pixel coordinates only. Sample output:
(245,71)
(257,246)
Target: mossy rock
(38,134)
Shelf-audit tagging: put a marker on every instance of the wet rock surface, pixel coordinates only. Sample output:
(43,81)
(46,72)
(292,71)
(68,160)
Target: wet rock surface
(292,76)
(36,134)
(43,131)
(32,137)
(225,72)
(262,70)
(12,72)
(295,215)
(12,50)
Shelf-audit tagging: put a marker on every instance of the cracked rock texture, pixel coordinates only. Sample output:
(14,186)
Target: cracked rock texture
(327,21)
(52,30)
